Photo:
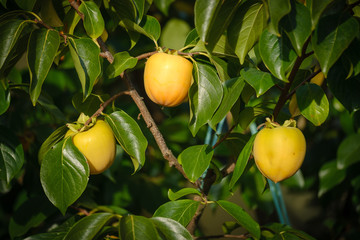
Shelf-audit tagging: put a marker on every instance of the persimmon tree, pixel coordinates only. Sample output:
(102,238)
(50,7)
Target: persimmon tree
(251,60)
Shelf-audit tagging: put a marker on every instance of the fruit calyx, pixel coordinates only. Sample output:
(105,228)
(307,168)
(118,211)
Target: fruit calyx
(79,125)
(271,124)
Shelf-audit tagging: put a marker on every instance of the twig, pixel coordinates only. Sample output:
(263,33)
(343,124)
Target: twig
(303,82)
(224,137)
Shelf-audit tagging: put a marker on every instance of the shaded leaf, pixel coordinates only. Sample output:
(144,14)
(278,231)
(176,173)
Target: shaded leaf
(243,218)
(64,174)
(4,96)
(122,61)
(49,14)
(205,96)
(129,136)
(42,49)
(246,27)
(149,27)
(259,80)
(163,5)
(26,4)
(316,9)
(90,105)
(332,36)
(47,103)
(137,227)
(11,155)
(242,161)
(195,160)
(170,229)
(329,177)
(181,211)
(277,10)
(93,21)
(182,192)
(313,103)
(85,54)
(348,152)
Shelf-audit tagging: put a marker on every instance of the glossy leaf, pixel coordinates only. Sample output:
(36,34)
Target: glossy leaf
(10,32)
(182,192)
(50,142)
(329,177)
(42,49)
(232,90)
(195,160)
(316,9)
(170,229)
(277,54)
(345,90)
(129,136)
(212,17)
(30,213)
(126,9)
(242,161)
(181,211)
(332,36)
(163,5)
(205,96)
(243,218)
(4,96)
(149,27)
(259,80)
(246,27)
(348,152)
(248,114)
(142,7)
(89,226)
(90,105)
(313,103)
(137,227)
(85,54)
(297,26)
(11,155)
(49,15)
(122,61)
(277,10)
(93,21)
(64,174)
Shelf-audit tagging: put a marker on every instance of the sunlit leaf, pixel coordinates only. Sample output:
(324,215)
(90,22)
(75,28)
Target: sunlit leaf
(182,192)
(171,229)
(122,61)
(137,227)
(181,211)
(64,174)
(42,49)
(277,10)
(329,177)
(129,136)
(259,80)
(149,27)
(348,152)
(11,155)
(93,21)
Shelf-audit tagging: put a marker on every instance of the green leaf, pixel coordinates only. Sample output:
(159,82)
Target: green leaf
(64,174)
(30,213)
(212,17)
(26,4)
(277,54)
(248,114)
(46,102)
(243,218)
(330,176)
(3,3)
(195,160)
(246,27)
(205,96)
(89,226)
(49,14)
(259,80)
(149,27)
(313,103)
(282,231)
(232,90)
(93,21)
(10,32)
(122,61)
(90,105)
(242,161)
(170,229)
(11,155)
(316,9)
(85,54)
(297,26)
(126,9)
(163,5)
(348,152)
(174,33)
(181,211)
(4,96)
(42,49)
(277,10)
(137,227)
(182,192)
(345,89)
(332,36)
(53,139)
(129,136)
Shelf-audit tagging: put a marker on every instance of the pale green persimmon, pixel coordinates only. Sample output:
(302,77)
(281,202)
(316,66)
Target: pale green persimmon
(97,145)
(167,79)
(279,151)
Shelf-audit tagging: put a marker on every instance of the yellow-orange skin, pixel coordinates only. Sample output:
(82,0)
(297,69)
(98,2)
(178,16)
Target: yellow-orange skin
(97,144)
(279,152)
(167,79)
